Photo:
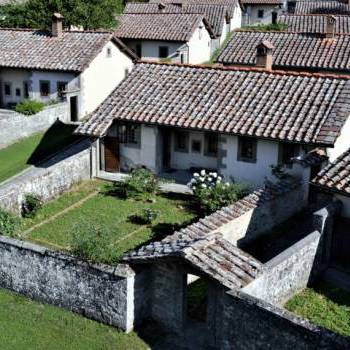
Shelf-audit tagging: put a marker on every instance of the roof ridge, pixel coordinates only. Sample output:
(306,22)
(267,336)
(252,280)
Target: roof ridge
(250,69)
(48,31)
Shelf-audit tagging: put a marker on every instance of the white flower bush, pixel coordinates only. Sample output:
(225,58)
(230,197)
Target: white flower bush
(212,193)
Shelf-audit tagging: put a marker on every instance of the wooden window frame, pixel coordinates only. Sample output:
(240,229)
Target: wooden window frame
(181,134)
(242,158)
(208,137)
(41,82)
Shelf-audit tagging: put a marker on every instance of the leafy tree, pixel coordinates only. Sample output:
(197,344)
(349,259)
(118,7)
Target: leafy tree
(90,14)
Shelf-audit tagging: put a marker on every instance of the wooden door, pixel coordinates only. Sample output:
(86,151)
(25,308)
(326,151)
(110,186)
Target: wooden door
(111,146)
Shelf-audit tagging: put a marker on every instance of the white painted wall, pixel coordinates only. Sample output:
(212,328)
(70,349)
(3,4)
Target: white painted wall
(199,46)
(342,143)
(251,14)
(225,30)
(102,76)
(236,20)
(187,160)
(346,205)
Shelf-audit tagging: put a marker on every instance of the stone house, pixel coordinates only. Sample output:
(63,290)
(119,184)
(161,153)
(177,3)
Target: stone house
(179,37)
(80,67)
(313,52)
(221,20)
(261,11)
(238,121)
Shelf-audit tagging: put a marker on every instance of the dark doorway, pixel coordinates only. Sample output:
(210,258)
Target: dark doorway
(166,157)
(197,299)
(274,17)
(111,147)
(341,244)
(74,108)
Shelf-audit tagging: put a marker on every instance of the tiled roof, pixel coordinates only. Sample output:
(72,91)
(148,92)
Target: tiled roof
(336,175)
(314,23)
(169,27)
(214,14)
(322,7)
(292,50)
(28,49)
(230,4)
(202,245)
(306,108)
(261,2)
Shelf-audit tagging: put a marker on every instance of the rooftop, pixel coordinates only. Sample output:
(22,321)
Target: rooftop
(35,49)
(289,106)
(169,27)
(314,23)
(336,175)
(292,50)
(262,2)
(322,7)
(214,14)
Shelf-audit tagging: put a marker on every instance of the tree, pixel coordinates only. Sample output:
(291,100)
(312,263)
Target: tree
(90,14)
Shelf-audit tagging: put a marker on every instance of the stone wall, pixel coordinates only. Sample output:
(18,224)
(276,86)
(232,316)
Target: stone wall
(251,324)
(50,178)
(100,292)
(15,126)
(293,269)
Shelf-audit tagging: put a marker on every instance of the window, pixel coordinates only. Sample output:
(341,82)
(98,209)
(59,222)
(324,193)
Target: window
(44,88)
(211,144)
(287,151)
(18,92)
(138,50)
(26,89)
(61,88)
(181,141)
(200,32)
(247,147)
(196,146)
(260,13)
(8,89)
(129,134)
(109,52)
(126,72)
(163,51)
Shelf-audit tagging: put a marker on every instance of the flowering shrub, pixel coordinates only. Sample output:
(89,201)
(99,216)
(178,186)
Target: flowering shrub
(212,193)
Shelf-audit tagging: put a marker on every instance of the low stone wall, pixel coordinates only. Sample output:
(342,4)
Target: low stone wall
(15,126)
(100,292)
(50,178)
(292,270)
(249,323)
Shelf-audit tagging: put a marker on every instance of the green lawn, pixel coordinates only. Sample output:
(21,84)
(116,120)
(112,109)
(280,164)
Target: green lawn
(324,305)
(25,324)
(108,213)
(30,150)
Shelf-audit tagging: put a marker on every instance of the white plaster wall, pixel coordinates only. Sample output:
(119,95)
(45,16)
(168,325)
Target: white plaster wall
(186,160)
(199,46)
(346,205)
(236,20)
(250,173)
(342,143)
(102,76)
(251,14)
(16,77)
(224,33)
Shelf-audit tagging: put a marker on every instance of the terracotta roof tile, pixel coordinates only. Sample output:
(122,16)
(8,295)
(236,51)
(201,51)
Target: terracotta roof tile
(336,175)
(170,27)
(292,50)
(73,51)
(305,108)
(322,7)
(261,2)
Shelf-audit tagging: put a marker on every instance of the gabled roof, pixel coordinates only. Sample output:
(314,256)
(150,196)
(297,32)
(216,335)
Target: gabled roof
(38,50)
(322,7)
(314,23)
(169,27)
(295,107)
(214,14)
(336,176)
(262,2)
(292,50)
(230,4)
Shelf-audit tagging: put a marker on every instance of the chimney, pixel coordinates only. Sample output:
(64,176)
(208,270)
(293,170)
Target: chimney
(330,29)
(57,24)
(161,6)
(264,55)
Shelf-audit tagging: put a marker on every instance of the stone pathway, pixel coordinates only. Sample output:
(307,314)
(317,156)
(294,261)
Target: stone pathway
(57,215)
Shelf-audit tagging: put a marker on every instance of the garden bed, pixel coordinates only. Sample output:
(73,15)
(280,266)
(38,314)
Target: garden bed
(325,305)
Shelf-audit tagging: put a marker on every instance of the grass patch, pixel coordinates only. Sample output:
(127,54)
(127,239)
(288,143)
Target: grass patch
(217,51)
(31,150)
(324,305)
(110,214)
(25,324)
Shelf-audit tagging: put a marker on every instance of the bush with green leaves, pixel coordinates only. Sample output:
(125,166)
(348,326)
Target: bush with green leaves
(212,193)
(146,217)
(93,243)
(277,27)
(8,223)
(30,107)
(31,205)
